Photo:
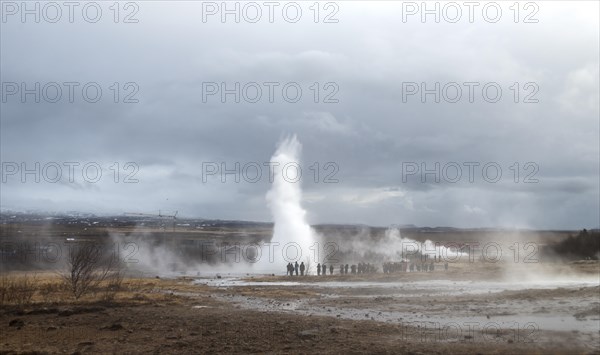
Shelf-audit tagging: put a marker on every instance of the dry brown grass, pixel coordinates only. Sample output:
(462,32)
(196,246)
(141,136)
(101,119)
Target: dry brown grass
(46,288)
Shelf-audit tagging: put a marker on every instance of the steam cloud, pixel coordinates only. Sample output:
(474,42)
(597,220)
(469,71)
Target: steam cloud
(392,247)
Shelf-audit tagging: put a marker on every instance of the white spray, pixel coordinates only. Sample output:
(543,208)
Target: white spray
(292,235)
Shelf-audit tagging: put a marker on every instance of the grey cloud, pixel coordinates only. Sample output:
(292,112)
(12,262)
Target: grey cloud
(368,134)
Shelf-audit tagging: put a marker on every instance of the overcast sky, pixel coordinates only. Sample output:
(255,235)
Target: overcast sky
(371,59)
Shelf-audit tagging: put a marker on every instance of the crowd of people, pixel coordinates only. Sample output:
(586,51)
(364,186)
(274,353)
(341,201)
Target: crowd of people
(422,265)
(403,266)
(294,268)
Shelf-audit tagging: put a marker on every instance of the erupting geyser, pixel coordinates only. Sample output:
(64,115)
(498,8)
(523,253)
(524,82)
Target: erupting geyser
(291,231)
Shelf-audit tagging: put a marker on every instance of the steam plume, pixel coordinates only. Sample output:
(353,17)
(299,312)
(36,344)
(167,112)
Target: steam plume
(291,231)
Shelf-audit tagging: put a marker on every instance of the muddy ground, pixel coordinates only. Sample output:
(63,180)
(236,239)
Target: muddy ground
(420,313)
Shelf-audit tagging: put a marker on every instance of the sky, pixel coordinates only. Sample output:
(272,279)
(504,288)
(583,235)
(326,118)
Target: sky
(487,117)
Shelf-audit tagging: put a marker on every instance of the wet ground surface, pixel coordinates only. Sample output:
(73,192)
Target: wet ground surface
(532,311)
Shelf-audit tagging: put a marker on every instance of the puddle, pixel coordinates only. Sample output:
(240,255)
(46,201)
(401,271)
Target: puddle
(439,287)
(521,322)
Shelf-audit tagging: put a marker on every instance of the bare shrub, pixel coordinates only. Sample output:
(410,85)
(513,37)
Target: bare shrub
(17,290)
(46,290)
(308,267)
(52,291)
(88,267)
(113,283)
(4,289)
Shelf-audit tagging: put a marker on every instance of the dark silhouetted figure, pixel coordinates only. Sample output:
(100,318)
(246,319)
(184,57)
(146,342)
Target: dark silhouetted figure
(353,269)
(346,269)
(324,269)
(331,269)
(302,268)
(342,269)
(319,269)
(296,266)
